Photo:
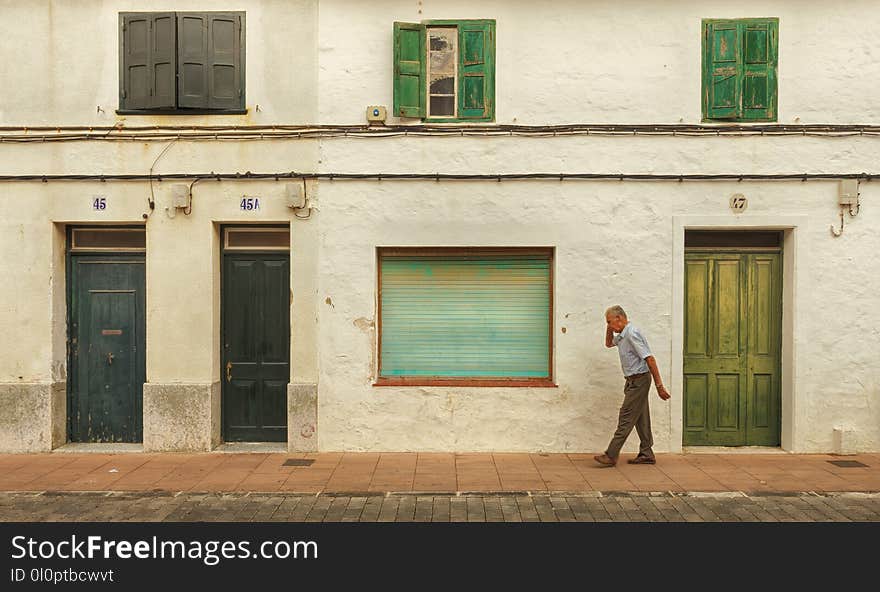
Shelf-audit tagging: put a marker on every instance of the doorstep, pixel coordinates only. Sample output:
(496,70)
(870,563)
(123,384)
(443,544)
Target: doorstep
(733,450)
(99,448)
(253,447)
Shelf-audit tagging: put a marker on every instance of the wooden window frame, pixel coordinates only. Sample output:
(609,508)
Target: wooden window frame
(233,228)
(457,23)
(489,68)
(456,74)
(706,67)
(241,110)
(72,230)
(464,381)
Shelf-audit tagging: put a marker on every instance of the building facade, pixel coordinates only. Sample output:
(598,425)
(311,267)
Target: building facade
(205,240)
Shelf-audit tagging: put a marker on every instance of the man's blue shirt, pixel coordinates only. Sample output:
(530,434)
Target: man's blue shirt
(633,349)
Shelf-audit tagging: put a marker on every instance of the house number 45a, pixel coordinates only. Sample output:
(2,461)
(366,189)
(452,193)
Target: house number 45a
(250,203)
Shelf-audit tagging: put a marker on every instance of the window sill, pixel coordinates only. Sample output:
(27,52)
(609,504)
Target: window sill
(181,112)
(738,121)
(480,382)
(430,120)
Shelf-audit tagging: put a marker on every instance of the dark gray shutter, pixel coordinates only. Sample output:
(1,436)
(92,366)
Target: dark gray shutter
(147,73)
(164,60)
(210,65)
(225,68)
(192,60)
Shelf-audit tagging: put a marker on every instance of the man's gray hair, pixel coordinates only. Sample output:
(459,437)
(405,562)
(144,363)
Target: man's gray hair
(616,311)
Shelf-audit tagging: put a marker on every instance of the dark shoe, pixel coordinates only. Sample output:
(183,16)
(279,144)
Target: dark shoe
(642,460)
(605,460)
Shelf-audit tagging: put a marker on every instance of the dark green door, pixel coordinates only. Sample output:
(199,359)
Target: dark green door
(256,346)
(733,322)
(107,348)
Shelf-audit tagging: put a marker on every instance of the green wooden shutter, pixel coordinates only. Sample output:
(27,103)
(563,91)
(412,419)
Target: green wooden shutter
(465,316)
(147,76)
(224,63)
(409,70)
(760,52)
(192,63)
(722,70)
(476,70)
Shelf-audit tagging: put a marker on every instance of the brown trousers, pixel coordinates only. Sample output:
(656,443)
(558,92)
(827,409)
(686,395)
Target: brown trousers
(634,412)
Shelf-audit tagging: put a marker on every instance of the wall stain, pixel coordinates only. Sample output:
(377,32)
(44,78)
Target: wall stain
(363,324)
(330,302)
(366,326)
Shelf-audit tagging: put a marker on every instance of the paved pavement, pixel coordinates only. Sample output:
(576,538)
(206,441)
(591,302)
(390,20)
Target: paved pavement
(562,507)
(436,487)
(364,473)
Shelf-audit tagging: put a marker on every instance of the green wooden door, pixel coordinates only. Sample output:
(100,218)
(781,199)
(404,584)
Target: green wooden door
(256,346)
(733,314)
(107,348)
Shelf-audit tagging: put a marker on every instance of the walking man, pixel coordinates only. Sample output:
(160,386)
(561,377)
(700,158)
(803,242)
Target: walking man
(638,366)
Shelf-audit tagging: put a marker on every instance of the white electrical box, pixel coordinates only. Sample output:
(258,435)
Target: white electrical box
(179,196)
(376,114)
(294,195)
(848,192)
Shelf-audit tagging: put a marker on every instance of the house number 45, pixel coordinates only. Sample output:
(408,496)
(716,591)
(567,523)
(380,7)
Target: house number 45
(99,202)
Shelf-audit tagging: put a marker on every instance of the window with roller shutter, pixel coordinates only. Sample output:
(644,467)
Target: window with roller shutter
(181,62)
(740,58)
(465,316)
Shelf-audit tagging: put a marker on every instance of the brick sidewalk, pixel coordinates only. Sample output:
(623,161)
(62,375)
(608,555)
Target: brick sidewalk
(363,473)
(585,507)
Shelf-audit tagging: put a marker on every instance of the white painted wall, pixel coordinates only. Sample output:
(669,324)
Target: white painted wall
(558,62)
(638,61)
(614,244)
(61,61)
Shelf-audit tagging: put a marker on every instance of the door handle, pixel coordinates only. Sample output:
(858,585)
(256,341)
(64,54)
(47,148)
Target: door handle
(228,371)
(110,358)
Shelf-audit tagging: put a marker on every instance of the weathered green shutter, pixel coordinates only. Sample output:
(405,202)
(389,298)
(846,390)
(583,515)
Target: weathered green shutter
(457,316)
(409,70)
(722,67)
(147,76)
(192,64)
(476,70)
(760,51)
(225,68)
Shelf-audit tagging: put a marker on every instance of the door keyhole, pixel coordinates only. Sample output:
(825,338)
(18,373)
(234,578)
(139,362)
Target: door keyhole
(110,358)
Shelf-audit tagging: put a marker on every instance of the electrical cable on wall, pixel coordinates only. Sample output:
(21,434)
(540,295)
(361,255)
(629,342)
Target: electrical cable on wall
(250,176)
(160,133)
(152,201)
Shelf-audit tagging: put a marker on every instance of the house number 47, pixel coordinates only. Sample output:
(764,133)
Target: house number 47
(738,203)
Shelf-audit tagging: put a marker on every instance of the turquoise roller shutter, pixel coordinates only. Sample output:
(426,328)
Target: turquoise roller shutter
(460,316)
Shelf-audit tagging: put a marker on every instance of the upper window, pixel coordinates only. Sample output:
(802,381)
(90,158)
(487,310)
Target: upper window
(445,70)
(474,316)
(739,69)
(181,62)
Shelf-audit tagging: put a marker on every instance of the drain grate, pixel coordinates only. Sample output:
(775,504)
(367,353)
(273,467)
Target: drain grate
(847,463)
(298,462)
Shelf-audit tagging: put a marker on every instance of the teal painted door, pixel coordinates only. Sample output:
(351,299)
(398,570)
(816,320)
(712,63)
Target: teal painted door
(733,320)
(255,306)
(107,348)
